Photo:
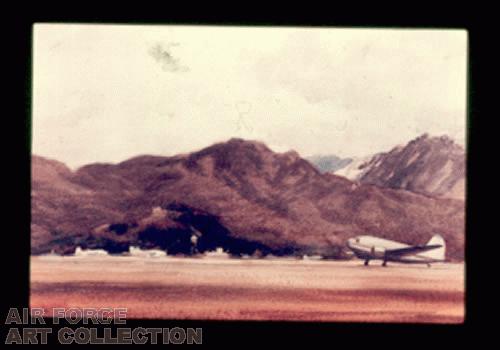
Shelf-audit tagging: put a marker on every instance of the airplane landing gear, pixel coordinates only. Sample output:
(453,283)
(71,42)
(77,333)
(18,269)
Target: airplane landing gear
(366,262)
(428,265)
(384,263)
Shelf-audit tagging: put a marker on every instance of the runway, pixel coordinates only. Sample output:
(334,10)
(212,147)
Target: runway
(234,289)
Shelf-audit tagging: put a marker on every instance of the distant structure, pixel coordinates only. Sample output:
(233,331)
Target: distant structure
(275,257)
(194,240)
(219,253)
(90,252)
(146,253)
(312,257)
(52,254)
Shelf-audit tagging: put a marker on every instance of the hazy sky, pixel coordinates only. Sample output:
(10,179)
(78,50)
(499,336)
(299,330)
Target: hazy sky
(105,93)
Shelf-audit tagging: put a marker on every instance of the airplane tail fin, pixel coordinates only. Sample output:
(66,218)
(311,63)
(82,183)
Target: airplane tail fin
(438,253)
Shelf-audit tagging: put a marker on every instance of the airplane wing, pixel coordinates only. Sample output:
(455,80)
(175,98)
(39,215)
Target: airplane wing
(412,250)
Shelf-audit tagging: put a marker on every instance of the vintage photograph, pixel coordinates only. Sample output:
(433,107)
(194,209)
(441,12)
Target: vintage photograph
(195,172)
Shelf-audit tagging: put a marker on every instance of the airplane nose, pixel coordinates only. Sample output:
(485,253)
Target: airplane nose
(350,241)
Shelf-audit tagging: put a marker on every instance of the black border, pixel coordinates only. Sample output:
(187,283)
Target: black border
(16,263)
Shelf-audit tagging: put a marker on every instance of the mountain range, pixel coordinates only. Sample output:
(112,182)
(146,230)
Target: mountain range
(434,166)
(329,163)
(239,195)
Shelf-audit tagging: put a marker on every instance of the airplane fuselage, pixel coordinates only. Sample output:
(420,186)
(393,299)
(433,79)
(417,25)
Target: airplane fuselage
(374,248)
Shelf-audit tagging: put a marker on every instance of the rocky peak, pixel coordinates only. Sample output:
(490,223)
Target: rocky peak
(428,165)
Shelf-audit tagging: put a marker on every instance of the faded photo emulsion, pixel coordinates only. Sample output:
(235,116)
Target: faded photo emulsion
(249,173)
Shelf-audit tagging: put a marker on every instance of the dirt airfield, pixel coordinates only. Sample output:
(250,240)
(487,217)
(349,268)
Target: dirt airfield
(234,289)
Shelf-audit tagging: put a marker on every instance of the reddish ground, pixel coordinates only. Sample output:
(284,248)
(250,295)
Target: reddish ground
(177,288)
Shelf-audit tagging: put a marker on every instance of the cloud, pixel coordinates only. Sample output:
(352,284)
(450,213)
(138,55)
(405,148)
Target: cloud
(318,91)
(163,55)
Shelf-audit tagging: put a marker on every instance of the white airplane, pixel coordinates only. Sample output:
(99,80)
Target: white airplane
(375,248)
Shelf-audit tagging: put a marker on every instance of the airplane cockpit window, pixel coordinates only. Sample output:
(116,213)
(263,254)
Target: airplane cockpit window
(357,240)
